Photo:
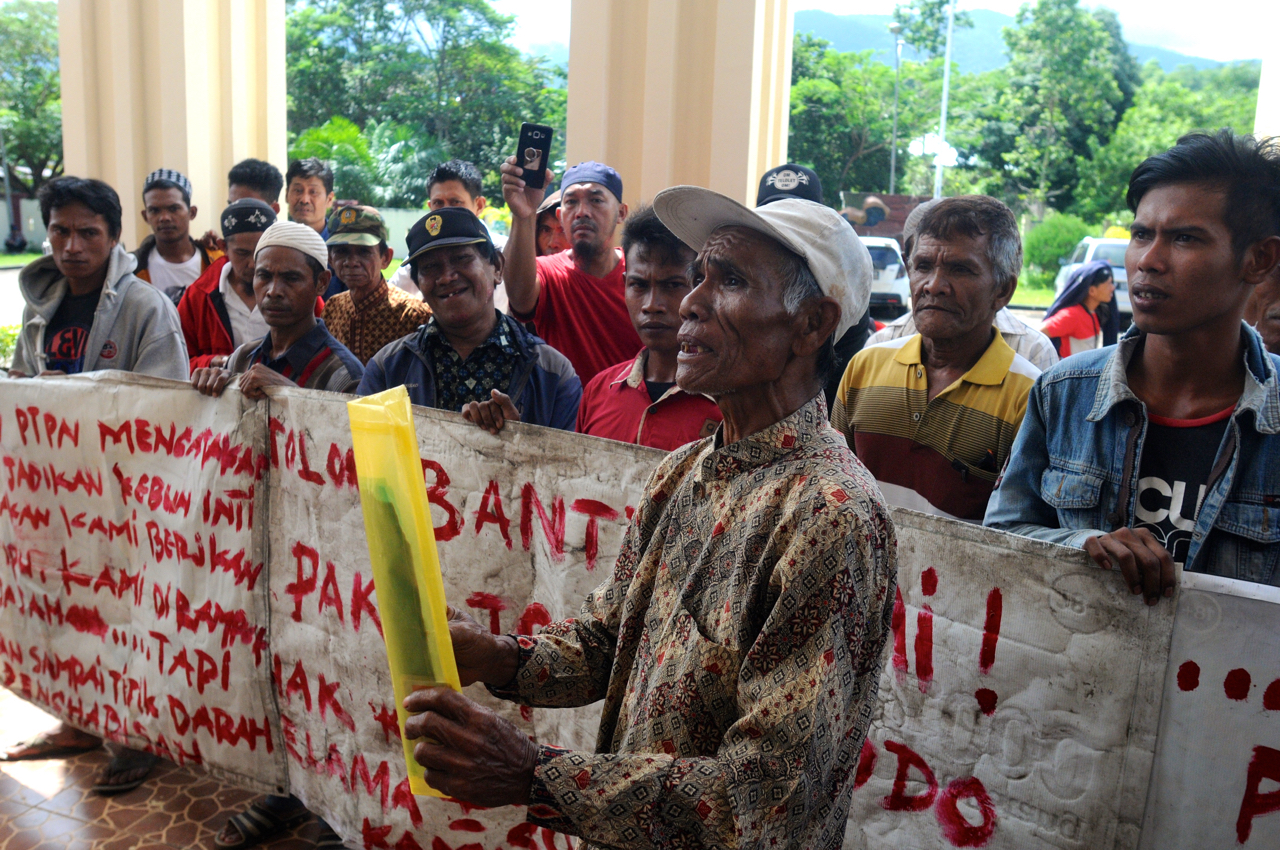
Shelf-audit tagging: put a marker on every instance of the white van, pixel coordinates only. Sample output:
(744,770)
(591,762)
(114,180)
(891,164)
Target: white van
(890,291)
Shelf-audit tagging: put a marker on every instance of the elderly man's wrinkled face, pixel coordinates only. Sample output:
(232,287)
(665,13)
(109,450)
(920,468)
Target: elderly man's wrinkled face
(736,332)
(953,286)
(1263,310)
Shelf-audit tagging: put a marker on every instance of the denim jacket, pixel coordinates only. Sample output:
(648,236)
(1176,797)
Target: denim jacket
(1073,469)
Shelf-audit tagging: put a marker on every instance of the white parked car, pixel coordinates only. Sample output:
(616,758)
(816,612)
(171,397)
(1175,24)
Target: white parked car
(890,291)
(1112,251)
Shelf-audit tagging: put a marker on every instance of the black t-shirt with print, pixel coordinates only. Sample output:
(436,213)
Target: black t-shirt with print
(1173,477)
(68,332)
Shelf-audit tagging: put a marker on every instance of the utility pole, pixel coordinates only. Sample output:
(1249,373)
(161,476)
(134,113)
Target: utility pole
(896,29)
(946,90)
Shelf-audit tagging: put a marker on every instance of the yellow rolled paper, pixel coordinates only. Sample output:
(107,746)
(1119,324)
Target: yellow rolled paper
(402,552)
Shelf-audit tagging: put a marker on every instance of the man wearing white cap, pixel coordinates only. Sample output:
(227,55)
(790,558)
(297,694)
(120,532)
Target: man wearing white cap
(289,274)
(737,643)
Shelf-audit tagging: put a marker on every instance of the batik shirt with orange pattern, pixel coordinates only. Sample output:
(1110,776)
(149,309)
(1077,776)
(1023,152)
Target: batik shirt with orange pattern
(737,648)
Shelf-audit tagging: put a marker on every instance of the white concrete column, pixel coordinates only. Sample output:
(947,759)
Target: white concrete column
(195,85)
(680,91)
(1267,118)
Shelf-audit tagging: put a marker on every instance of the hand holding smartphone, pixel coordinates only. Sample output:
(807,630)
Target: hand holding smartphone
(533,153)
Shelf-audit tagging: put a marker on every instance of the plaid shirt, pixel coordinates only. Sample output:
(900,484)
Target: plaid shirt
(368,326)
(737,648)
(490,366)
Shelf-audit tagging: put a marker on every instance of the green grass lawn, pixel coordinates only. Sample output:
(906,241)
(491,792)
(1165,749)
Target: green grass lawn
(17,261)
(391,268)
(1029,296)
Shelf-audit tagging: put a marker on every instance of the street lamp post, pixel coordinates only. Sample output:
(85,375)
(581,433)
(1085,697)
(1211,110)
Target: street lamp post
(896,29)
(946,89)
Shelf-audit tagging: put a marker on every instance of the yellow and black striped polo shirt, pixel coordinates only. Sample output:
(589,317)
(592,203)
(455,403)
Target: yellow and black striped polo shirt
(939,456)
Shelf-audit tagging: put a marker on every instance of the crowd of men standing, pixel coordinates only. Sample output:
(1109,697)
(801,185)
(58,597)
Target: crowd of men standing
(1159,450)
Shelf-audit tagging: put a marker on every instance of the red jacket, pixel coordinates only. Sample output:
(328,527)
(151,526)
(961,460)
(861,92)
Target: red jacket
(205,321)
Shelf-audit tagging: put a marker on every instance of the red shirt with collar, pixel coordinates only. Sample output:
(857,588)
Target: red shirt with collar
(616,406)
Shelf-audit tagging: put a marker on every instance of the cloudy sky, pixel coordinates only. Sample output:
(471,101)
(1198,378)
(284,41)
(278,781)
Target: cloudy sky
(1224,30)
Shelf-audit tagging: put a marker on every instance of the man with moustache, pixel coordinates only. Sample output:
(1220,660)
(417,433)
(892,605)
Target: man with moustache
(574,298)
(219,312)
(86,311)
(637,401)
(371,314)
(933,415)
(1164,448)
(737,643)
(298,351)
(1022,338)
(469,357)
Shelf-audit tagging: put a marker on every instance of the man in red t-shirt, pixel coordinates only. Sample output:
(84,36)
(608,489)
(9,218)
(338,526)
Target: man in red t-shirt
(574,298)
(637,401)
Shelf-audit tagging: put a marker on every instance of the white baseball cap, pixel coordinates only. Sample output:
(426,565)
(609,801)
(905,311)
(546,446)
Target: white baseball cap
(835,255)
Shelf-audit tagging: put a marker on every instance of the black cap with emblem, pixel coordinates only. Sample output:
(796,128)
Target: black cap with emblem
(789,181)
(447,226)
(247,215)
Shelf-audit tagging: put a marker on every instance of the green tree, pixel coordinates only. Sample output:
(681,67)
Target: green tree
(1062,96)
(441,68)
(924,25)
(1127,72)
(1052,240)
(1165,107)
(30,92)
(842,114)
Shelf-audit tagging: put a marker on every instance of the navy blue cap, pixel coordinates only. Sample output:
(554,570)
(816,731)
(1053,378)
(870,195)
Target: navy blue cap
(593,172)
(789,181)
(445,226)
(247,215)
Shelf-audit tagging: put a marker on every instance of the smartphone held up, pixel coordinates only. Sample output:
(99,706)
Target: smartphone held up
(533,152)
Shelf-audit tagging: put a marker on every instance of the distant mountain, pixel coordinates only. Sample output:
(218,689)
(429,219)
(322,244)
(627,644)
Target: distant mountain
(554,52)
(974,50)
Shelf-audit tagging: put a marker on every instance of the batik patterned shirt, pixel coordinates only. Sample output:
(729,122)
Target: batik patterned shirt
(491,364)
(737,648)
(371,324)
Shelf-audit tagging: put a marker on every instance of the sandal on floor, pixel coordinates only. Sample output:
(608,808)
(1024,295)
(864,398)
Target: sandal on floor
(45,746)
(258,823)
(134,764)
(327,839)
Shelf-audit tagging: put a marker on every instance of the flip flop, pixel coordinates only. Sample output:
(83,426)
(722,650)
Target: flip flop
(43,746)
(125,761)
(258,823)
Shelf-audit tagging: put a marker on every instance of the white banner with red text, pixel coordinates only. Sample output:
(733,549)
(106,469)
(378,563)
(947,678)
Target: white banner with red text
(192,575)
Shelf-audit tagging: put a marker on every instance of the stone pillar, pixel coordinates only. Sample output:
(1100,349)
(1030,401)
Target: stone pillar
(1267,119)
(680,91)
(195,85)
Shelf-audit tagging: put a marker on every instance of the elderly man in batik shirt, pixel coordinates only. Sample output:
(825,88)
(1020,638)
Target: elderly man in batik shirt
(737,643)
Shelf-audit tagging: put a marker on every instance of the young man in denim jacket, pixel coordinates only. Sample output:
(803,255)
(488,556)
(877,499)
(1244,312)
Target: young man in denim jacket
(1166,447)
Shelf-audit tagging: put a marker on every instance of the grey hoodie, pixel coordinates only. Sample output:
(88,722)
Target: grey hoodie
(135,328)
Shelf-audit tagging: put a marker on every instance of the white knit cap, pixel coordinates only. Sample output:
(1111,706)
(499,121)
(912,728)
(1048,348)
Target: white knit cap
(290,234)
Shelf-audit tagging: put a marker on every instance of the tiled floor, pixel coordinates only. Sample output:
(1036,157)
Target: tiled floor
(48,804)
